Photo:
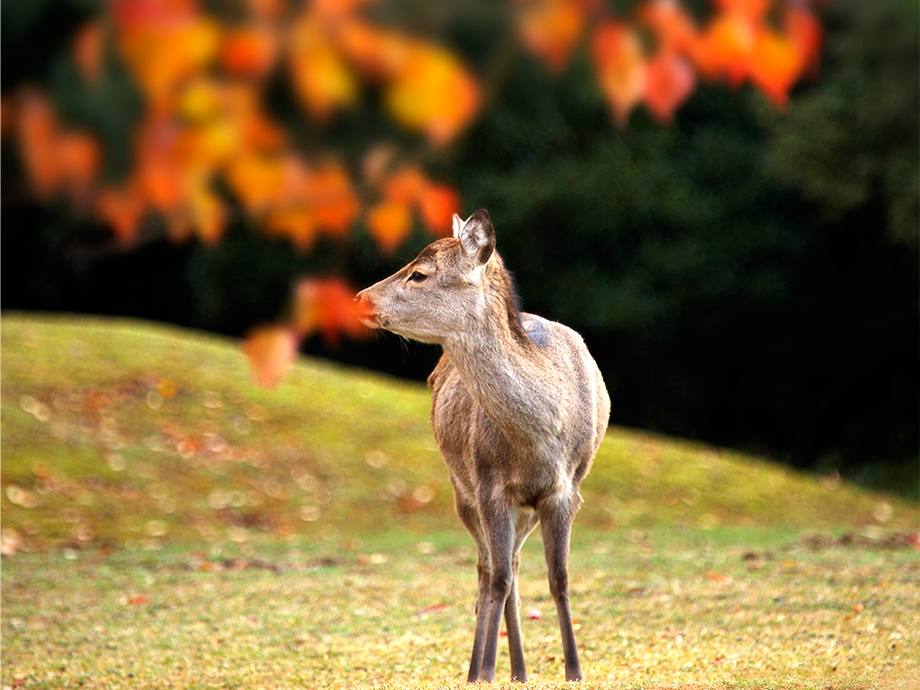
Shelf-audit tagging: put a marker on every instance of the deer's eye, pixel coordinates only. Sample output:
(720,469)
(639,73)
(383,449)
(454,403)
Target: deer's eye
(417,277)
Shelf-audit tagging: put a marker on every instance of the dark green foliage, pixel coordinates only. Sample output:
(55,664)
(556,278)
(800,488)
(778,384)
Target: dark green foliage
(744,276)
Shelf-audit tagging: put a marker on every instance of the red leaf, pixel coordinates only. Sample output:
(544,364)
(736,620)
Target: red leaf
(249,51)
(753,10)
(328,306)
(804,30)
(669,82)
(437,205)
(434,608)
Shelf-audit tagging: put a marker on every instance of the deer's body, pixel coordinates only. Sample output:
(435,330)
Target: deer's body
(519,409)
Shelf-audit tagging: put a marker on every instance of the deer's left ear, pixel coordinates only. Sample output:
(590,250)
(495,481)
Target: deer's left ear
(476,235)
(458,224)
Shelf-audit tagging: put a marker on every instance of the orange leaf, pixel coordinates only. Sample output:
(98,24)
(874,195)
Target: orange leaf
(437,206)
(297,223)
(88,49)
(620,65)
(79,155)
(335,9)
(332,198)
(163,53)
(159,174)
(258,132)
(266,9)
(208,218)
(433,93)
(122,209)
(320,77)
(724,48)
(375,52)
(775,66)
(257,180)
(551,28)
(672,25)
(211,144)
(669,82)
(271,351)
(406,185)
(38,137)
(389,223)
(328,306)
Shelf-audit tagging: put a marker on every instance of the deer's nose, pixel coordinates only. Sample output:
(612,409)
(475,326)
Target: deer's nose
(366,310)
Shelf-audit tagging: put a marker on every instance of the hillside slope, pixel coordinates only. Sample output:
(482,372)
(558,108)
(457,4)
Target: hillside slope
(118,432)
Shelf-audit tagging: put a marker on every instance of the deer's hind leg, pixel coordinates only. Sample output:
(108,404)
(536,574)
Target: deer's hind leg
(556,517)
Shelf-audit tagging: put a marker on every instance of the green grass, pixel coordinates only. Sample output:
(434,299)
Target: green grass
(168,524)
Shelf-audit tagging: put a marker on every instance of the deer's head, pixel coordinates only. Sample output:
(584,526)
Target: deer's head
(437,293)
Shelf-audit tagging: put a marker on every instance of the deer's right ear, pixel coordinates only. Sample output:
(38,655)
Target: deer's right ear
(476,235)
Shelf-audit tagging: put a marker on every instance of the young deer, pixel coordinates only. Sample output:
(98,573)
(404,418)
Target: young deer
(519,409)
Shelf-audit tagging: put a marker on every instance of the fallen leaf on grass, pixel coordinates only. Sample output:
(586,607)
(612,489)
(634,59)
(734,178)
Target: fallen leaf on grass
(435,608)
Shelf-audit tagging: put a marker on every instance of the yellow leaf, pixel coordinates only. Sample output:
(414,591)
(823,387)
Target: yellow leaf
(433,93)
(320,77)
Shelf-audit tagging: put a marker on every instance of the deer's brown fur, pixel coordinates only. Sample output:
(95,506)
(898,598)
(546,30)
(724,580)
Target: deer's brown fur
(519,409)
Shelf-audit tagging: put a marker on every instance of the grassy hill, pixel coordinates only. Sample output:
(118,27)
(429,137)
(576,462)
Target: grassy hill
(117,433)
(168,524)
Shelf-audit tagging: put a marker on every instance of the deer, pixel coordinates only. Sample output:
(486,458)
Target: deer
(519,409)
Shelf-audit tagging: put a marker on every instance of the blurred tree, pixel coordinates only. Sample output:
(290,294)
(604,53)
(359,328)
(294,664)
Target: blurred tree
(241,158)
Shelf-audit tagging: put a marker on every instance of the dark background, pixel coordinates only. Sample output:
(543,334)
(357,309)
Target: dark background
(745,276)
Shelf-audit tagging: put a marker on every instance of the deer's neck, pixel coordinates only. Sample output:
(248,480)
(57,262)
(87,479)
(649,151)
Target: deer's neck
(507,375)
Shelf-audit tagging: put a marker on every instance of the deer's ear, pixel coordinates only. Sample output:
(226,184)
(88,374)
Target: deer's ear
(476,235)
(458,225)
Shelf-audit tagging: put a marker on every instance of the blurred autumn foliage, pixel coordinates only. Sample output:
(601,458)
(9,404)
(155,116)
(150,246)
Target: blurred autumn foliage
(719,195)
(205,147)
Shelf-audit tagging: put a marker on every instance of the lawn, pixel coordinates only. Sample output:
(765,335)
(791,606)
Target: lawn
(165,523)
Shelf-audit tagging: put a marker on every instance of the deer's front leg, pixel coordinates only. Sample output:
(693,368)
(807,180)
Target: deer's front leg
(469,515)
(498,525)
